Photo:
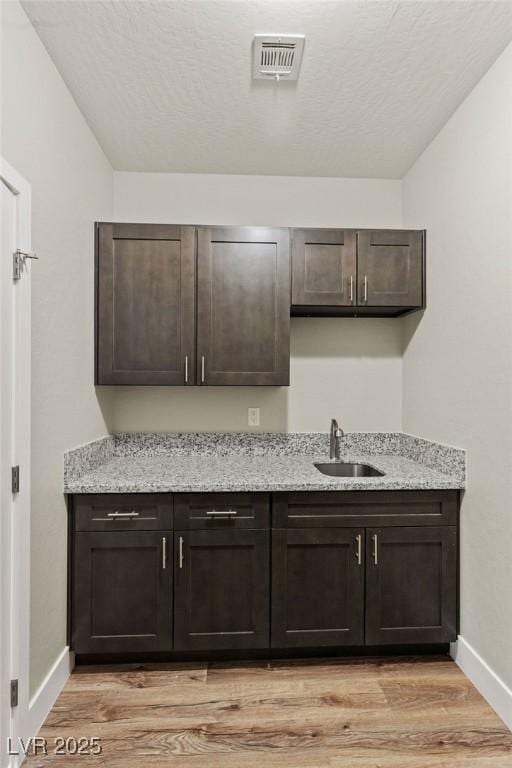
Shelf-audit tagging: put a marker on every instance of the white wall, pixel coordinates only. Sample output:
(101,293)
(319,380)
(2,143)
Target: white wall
(457,369)
(339,367)
(45,137)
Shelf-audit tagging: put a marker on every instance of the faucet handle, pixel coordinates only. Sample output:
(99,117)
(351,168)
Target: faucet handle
(335,429)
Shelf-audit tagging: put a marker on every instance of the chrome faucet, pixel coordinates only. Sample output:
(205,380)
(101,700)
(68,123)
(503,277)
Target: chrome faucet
(336,435)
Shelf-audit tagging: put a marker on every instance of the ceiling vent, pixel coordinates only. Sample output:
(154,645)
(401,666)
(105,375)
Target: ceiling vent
(277,57)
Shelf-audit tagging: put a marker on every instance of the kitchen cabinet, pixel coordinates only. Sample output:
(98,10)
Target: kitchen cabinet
(222,589)
(122,592)
(206,572)
(243,306)
(317,587)
(377,272)
(390,268)
(210,306)
(153,280)
(324,267)
(408,565)
(145,304)
(411,576)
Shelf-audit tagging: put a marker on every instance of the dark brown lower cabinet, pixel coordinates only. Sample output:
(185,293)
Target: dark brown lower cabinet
(122,592)
(221,589)
(411,585)
(339,569)
(317,587)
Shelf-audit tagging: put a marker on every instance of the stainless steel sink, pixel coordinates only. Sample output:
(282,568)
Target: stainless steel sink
(348,469)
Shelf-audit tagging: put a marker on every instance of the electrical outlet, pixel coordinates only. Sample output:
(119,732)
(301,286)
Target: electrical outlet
(253,417)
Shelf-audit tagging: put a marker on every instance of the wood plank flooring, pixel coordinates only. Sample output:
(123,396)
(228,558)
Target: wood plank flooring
(394,712)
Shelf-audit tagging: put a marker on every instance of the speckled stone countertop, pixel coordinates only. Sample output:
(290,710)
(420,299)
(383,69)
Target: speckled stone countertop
(175,463)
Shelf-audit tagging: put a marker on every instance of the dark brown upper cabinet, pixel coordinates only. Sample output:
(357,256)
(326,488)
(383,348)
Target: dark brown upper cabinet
(357,272)
(147,301)
(390,268)
(324,267)
(243,306)
(145,304)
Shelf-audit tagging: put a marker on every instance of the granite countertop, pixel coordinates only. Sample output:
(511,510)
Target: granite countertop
(237,463)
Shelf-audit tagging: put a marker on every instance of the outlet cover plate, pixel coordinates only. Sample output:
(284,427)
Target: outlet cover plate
(253,417)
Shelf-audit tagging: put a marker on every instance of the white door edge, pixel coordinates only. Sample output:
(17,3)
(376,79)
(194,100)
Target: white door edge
(15,449)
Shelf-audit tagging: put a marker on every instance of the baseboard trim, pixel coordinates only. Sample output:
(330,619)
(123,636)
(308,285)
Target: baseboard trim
(47,693)
(485,680)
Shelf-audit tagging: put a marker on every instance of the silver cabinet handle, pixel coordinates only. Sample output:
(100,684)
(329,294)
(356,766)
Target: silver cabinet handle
(221,512)
(117,515)
(359,549)
(180,549)
(202,369)
(164,553)
(351,289)
(375,550)
(365,288)
(186,369)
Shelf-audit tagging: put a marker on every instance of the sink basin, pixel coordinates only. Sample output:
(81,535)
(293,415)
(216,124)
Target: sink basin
(348,469)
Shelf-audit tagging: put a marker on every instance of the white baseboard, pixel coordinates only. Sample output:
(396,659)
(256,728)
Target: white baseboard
(47,693)
(485,680)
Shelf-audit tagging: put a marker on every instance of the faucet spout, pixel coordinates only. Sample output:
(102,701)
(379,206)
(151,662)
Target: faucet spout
(335,438)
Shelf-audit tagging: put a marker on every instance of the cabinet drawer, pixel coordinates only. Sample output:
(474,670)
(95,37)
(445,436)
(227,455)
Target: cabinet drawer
(193,511)
(123,512)
(364,508)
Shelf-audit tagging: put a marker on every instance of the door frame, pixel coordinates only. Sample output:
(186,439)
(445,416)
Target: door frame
(15,449)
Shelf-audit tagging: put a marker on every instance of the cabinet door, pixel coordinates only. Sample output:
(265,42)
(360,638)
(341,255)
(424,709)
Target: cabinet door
(122,585)
(221,598)
(145,306)
(411,583)
(243,306)
(317,587)
(323,267)
(390,268)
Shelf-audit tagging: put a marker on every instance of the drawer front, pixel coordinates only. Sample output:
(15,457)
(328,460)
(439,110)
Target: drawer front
(123,512)
(194,511)
(364,508)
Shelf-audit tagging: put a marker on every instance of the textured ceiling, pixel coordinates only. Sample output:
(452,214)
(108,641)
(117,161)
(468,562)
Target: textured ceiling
(166,86)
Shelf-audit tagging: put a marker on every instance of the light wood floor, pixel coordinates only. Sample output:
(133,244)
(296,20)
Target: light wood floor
(358,713)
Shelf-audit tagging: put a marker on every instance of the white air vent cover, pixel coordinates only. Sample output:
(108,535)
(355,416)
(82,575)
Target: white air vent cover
(277,56)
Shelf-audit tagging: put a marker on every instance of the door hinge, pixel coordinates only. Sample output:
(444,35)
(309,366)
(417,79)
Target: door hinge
(18,262)
(14,693)
(15,479)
